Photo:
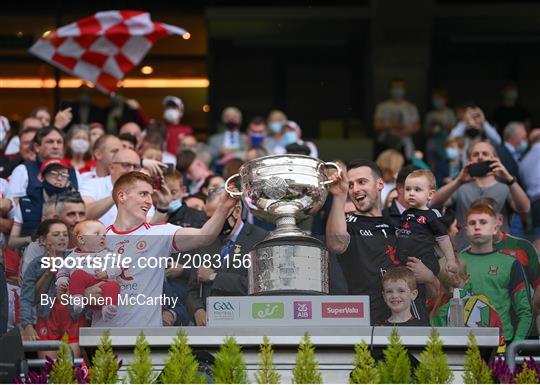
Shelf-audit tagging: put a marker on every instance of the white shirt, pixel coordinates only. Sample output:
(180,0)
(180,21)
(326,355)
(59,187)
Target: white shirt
(18,182)
(232,139)
(14,146)
(99,188)
(140,244)
(530,172)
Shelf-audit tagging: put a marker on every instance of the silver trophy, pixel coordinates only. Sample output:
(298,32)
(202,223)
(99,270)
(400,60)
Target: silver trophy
(284,189)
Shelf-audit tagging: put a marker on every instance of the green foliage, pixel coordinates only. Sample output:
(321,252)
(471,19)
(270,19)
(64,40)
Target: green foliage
(267,373)
(229,366)
(306,370)
(181,366)
(433,368)
(365,371)
(396,367)
(105,365)
(476,371)
(527,376)
(62,371)
(140,369)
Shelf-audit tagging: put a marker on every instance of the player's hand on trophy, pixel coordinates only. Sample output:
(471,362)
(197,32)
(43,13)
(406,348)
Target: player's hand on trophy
(227,200)
(341,182)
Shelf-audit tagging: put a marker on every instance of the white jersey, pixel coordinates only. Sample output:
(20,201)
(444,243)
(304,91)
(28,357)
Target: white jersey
(139,282)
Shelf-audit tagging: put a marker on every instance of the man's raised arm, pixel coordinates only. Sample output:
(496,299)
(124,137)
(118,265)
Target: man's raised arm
(337,237)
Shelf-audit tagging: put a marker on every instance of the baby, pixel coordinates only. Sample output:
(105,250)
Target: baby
(399,292)
(90,240)
(420,227)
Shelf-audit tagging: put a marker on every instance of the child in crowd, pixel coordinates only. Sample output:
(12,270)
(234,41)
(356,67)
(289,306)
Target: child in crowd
(497,276)
(90,240)
(54,319)
(420,227)
(478,309)
(399,291)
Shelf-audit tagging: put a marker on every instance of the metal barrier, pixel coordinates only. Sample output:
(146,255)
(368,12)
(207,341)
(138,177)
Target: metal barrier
(512,349)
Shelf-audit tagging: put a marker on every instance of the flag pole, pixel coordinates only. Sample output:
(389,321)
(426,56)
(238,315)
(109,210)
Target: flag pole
(57,95)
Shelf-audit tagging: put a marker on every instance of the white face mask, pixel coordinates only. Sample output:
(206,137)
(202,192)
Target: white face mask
(171,115)
(79,146)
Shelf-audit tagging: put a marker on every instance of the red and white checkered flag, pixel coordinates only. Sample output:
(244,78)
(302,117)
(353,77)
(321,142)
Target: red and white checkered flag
(104,47)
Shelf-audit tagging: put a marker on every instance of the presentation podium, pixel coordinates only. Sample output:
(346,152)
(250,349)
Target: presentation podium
(334,345)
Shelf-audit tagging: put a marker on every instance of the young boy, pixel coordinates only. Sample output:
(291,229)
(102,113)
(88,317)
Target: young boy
(90,240)
(420,227)
(399,291)
(498,276)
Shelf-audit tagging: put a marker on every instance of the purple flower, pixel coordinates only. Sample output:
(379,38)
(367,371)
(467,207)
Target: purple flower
(531,364)
(501,371)
(33,378)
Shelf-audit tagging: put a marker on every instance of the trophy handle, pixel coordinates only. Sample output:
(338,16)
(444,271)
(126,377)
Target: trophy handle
(332,164)
(234,194)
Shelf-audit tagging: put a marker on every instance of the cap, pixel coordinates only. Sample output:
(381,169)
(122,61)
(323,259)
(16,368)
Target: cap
(176,101)
(53,163)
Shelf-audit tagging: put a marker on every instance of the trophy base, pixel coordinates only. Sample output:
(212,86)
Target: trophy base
(289,265)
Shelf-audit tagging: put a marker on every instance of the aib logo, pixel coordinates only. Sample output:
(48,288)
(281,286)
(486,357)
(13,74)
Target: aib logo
(268,310)
(223,306)
(302,310)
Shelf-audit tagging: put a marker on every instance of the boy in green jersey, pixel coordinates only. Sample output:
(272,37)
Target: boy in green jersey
(521,249)
(497,276)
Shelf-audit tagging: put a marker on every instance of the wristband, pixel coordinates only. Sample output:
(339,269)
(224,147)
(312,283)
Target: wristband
(511,182)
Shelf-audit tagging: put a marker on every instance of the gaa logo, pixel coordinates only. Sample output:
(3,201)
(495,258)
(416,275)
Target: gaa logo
(140,245)
(223,306)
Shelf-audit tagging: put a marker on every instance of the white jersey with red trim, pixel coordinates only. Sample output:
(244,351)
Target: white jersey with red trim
(141,285)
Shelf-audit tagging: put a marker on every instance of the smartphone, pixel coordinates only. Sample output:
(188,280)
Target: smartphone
(157,182)
(480,168)
(170,168)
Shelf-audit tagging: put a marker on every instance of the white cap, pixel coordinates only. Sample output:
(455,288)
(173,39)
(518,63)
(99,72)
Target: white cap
(173,100)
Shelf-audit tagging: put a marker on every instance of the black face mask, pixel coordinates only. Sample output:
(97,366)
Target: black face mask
(231,125)
(52,190)
(227,228)
(472,132)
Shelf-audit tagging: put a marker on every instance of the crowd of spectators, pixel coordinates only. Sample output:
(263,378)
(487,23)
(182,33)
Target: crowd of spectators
(449,202)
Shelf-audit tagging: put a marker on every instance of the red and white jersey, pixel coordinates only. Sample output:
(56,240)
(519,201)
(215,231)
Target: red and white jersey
(144,245)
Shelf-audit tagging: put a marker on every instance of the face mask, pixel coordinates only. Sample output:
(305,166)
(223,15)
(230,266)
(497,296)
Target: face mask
(397,93)
(52,190)
(472,132)
(275,127)
(231,125)
(289,137)
(174,206)
(257,139)
(438,103)
(79,146)
(171,115)
(227,228)
(452,153)
(522,146)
